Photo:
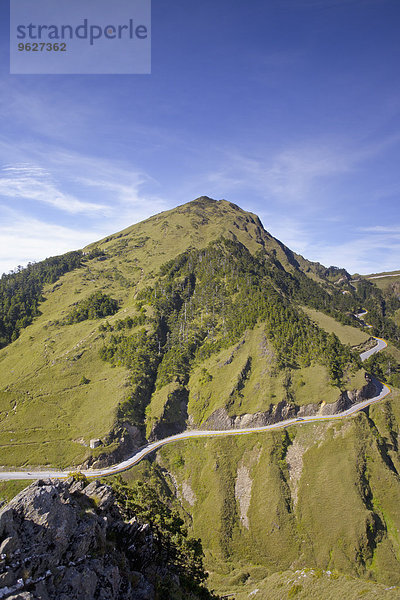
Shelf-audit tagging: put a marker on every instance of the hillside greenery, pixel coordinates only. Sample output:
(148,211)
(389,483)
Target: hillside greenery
(382,306)
(197,312)
(183,554)
(21,292)
(384,367)
(204,301)
(184,304)
(96,306)
(318,496)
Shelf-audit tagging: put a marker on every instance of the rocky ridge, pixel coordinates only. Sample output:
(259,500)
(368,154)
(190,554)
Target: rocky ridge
(69,541)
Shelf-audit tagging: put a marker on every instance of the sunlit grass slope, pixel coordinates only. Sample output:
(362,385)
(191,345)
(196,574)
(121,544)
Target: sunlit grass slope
(47,415)
(320,496)
(303,584)
(346,333)
(263,384)
(56,393)
(385,279)
(156,240)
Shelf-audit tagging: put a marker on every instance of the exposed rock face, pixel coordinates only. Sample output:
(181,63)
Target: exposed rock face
(68,540)
(243,486)
(128,439)
(348,398)
(294,461)
(220,418)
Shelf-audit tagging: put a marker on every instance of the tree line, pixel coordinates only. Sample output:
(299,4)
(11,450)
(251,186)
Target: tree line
(21,292)
(203,301)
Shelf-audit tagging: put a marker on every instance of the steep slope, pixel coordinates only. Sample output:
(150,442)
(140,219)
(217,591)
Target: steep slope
(323,496)
(197,317)
(193,225)
(78,541)
(134,331)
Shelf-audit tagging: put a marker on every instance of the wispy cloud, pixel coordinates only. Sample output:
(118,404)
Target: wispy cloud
(296,175)
(26,239)
(72,184)
(288,230)
(33,183)
(362,254)
(289,177)
(294,172)
(128,190)
(395,231)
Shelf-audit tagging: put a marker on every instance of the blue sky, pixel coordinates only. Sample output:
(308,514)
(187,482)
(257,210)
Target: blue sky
(289,108)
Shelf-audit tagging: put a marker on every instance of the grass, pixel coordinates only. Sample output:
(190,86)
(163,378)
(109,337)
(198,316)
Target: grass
(47,416)
(159,238)
(346,334)
(385,282)
(9,489)
(303,584)
(395,352)
(346,484)
(155,409)
(346,518)
(264,385)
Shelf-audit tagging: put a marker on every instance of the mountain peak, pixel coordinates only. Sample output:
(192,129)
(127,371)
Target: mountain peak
(193,225)
(204,200)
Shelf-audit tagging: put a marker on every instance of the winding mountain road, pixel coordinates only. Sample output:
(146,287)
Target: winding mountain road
(382,391)
(380,345)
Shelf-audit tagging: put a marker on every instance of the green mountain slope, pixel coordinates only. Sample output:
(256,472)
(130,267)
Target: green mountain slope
(197,317)
(129,338)
(323,496)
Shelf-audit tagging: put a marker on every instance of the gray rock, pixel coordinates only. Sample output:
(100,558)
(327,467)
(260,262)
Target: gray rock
(220,418)
(69,541)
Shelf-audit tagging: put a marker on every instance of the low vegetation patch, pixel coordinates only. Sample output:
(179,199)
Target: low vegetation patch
(96,306)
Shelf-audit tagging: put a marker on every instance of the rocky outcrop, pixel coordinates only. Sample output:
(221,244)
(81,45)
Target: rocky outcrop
(69,541)
(220,418)
(118,445)
(348,398)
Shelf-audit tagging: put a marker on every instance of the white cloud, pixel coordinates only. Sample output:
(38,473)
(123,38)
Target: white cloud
(297,175)
(122,185)
(293,173)
(383,229)
(27,239)
(289,231)
(26,236)
(363,254)
(34,183)
(289,177)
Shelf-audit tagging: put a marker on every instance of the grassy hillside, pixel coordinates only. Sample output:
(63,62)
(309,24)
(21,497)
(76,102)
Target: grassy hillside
(304,584)
(47,413)
(385,278)
(197,317)
(213,385)
(156,240)
(346,334)
(389,283)
(318,496)
(189,285)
